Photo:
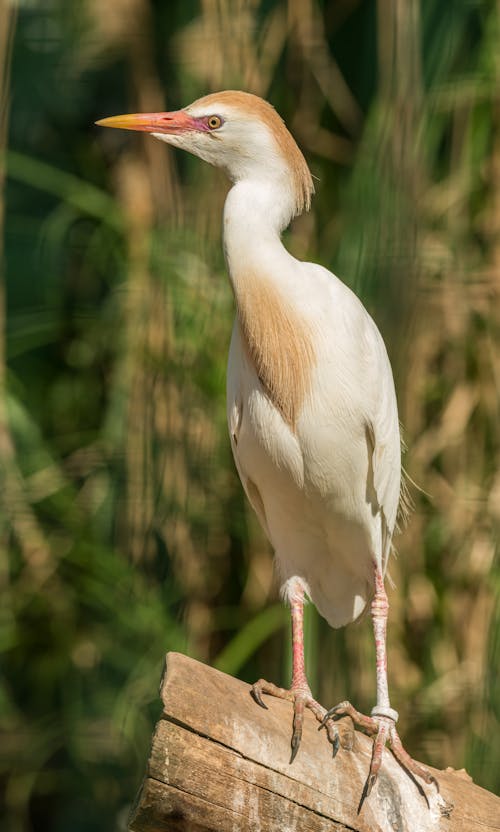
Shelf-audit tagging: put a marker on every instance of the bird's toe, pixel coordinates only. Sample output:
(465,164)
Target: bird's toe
(340,735)
(381,725)
(263,686)
(367,723)
(407,762)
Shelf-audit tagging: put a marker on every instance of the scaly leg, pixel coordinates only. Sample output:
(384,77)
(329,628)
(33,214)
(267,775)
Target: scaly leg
(382,722)
(299,692)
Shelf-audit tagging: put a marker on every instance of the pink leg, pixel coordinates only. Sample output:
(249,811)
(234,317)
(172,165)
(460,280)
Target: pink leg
(300,692)
(299,679)
(379,611)
(382,722)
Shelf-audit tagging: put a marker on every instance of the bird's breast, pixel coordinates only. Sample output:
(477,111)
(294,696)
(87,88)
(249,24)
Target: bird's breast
(264,440)
(278,343)
(321,456)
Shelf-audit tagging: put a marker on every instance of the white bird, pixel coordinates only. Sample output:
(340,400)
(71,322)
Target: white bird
(311,405)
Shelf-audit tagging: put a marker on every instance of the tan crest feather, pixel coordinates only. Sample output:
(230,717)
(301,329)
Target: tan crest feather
(252,105)
(279,344)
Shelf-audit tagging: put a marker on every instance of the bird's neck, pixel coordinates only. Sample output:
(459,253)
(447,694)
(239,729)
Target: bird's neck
(255,214)
(267,283)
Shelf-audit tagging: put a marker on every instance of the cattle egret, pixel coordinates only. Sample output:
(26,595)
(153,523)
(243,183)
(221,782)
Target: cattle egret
(311,405)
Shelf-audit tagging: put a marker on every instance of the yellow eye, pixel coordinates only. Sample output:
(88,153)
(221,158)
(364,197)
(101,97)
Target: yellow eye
(214,122)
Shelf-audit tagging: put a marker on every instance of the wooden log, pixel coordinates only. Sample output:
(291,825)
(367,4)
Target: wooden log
(219,763)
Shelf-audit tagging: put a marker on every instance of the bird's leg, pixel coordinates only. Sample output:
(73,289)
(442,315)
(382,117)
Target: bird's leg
(299,692)
(381,724)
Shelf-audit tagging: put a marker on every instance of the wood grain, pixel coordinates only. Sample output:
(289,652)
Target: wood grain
(219,762)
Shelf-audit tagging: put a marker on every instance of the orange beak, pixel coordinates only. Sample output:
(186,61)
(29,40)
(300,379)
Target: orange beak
(176,122)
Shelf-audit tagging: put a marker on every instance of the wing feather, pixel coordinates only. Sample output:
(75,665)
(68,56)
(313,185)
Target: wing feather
(384,439)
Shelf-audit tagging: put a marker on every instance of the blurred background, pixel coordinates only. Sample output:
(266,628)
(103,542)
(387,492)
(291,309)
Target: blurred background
(124,532)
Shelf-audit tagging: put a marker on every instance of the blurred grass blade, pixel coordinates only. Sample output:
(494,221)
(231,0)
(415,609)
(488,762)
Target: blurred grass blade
(245,643)
(76,192)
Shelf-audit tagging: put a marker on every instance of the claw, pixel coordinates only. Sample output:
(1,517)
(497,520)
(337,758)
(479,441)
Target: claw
(298,721)
(408,762)
(295,747)
(333,733)
(258,697)
(383,728)
(376,761)
(372,779)
(301,699)
(337,710)
(329,715)
(343,709)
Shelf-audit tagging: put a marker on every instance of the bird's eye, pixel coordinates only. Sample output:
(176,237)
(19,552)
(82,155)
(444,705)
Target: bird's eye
(214,122)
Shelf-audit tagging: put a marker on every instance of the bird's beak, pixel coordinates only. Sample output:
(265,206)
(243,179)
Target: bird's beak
(171,123)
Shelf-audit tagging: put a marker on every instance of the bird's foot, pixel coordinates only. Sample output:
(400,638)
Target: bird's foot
(302,698)
(382,726)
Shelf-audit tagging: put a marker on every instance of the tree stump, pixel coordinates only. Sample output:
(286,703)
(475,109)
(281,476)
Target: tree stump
(220,763)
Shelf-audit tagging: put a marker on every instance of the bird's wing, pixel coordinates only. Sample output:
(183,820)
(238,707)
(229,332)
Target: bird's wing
(237,370)
(357,342)
(384,440)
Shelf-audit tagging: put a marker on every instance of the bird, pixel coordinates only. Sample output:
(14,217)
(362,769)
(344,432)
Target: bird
(311,403)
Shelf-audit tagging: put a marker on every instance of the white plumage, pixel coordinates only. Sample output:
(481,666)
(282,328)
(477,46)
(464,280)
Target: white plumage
(311,404)
(326,491)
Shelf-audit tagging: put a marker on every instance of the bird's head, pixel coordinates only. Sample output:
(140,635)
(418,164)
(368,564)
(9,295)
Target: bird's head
(236,131)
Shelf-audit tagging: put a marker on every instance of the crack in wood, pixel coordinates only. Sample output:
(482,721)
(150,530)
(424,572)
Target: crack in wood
(235,775)
(218,765)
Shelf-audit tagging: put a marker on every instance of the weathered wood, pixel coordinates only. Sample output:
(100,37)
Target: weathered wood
(219,762)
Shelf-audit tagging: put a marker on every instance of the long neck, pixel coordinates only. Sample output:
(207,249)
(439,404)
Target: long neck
(267,283)
(255,214)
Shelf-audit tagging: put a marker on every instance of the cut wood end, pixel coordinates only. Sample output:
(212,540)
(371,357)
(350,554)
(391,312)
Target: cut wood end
(219,762)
